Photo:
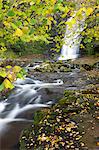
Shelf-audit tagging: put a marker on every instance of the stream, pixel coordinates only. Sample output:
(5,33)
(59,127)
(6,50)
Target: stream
(77,103)
(71,91)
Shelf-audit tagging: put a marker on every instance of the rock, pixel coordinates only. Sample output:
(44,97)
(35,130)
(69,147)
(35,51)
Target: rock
(96,65)
(87,67)
(62,69)
(1,79)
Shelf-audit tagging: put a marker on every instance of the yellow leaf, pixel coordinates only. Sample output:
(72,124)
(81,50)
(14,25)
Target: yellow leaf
(6,23)
(97,14)
(18,32)
(50,18)
(82,46)
(53,1)
(97,143)
(49,22)
(37,1)
(11,77)
(46,27)
(71,23)
(8,84)
(66,9)
(61,8)
(16,69)
(8,67)
(25,29)
(3,73)
(89,11)
(83,9)
(64,15)
(3,49)
(70,126)
(79,12)
(49,11)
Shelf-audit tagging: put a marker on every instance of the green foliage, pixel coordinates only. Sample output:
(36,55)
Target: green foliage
(24,20)
(30,21)
(90,34)
(89,50)
(8,75)
(24,48)
(87,9)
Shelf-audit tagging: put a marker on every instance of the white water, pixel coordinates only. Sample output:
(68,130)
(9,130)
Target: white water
(24,99)
(72,39)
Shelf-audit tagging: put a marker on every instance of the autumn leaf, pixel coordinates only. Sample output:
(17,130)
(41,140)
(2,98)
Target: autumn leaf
(89,11)
(8,67)
(50,18)
(71,23)
(25,29)
(11,76)
(8,84)
(70,126)
(18,32)
(7,24)
(17,69)
(3,73)
(97,14)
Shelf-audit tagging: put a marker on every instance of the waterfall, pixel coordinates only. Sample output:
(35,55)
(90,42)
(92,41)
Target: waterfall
(72,38)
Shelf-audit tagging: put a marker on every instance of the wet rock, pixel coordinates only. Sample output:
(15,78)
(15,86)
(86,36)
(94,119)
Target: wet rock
(1,79)
(96,65)
(12,62)
(87,67)
(74,66)
(51,67)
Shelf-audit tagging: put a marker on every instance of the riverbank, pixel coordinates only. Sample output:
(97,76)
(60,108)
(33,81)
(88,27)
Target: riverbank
(73,122)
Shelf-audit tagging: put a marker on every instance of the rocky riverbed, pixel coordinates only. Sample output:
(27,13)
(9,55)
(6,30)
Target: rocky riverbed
(72,123)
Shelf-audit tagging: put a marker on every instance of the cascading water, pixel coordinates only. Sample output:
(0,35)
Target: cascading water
(72,39)
(17,109)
